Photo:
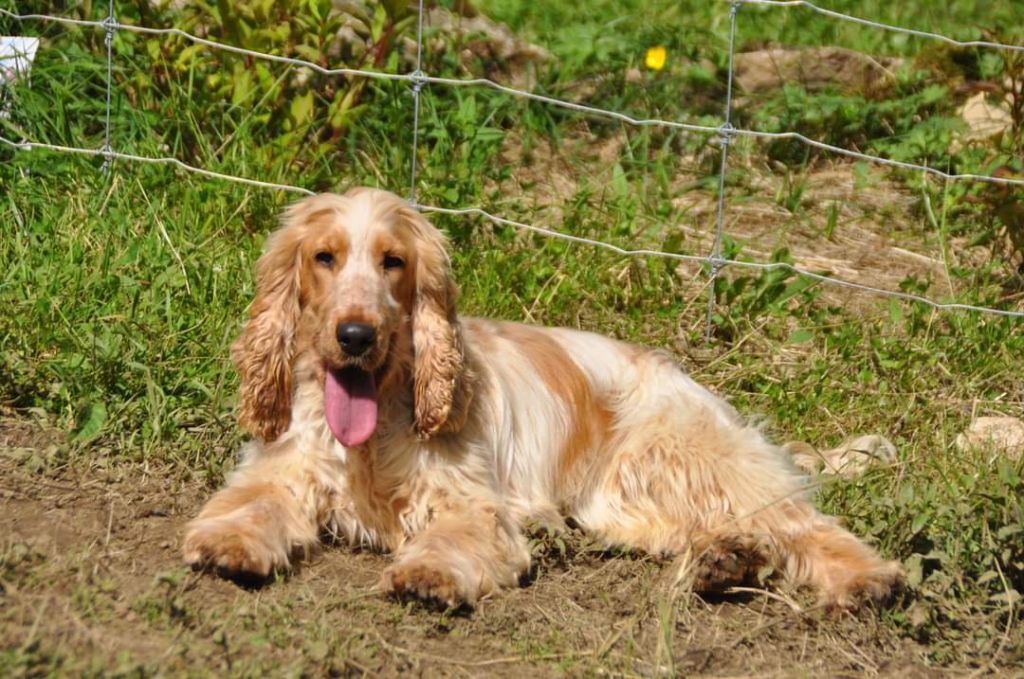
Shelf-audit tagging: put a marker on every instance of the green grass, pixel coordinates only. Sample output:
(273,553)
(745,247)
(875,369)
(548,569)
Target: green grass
(121,292)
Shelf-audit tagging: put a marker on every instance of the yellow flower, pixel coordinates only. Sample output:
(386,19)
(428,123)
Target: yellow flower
(655,59)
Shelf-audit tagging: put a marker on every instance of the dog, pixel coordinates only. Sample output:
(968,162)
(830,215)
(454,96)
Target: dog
(385,419)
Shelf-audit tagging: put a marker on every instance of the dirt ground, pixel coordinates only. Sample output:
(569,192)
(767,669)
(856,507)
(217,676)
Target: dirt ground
(91,582)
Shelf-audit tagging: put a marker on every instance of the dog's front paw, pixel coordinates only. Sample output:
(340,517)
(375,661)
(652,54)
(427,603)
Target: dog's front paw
(233,550)
(434,584)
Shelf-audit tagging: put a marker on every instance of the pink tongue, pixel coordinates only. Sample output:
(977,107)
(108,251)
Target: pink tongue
(350,404)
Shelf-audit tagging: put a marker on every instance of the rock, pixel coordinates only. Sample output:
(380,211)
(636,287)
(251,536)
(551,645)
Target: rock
(490,44)
(814,68)
(851,458)
(985,119)
(1003,434)
(634,75)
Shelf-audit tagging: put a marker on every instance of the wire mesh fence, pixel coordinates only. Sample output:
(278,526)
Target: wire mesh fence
(418,80)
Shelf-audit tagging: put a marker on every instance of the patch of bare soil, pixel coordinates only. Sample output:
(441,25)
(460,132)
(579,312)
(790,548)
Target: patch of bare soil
(866,229)
(91,582)
(27,433)
(815,68)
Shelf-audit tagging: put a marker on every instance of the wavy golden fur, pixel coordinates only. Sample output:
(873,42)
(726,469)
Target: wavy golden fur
(439,437)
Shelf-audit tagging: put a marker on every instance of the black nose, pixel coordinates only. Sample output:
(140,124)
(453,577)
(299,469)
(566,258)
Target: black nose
(356,338)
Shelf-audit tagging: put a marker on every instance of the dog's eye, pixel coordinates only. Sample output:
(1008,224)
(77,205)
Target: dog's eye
(392,262)
(325,258)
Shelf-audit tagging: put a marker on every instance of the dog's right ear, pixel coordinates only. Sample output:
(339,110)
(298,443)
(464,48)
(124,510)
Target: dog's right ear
(264,351)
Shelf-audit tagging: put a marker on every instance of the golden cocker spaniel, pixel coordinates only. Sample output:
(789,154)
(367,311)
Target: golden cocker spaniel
(384,418)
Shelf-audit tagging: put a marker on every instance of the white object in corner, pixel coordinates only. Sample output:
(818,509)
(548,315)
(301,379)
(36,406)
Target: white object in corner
(16,55)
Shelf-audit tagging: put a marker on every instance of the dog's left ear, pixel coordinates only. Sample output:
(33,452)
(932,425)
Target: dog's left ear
(441,384)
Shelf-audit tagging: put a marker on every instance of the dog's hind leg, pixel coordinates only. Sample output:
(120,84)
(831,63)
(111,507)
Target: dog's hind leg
(713,490)
(845,572)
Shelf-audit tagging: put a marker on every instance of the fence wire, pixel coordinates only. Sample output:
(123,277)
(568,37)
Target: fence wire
(543,231)
(726,132)
(714,262)
(109,25)
(885,27)
(417,87)
(422,78)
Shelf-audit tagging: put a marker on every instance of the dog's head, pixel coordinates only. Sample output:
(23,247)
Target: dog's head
(358,282)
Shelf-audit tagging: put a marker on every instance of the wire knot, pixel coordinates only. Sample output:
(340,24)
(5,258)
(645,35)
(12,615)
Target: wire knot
(717,264)
(108,158)
(726,132)
(110,25)
(418,79)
